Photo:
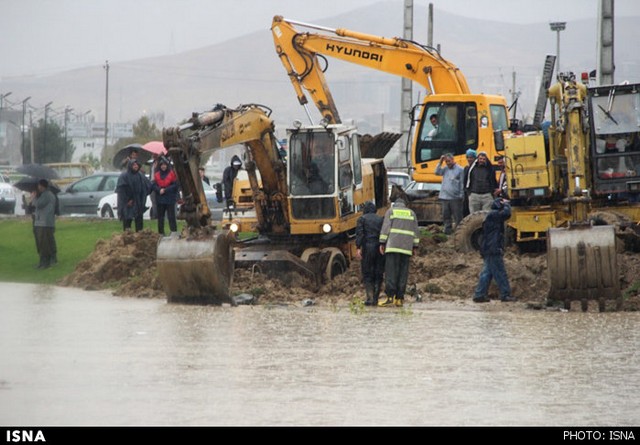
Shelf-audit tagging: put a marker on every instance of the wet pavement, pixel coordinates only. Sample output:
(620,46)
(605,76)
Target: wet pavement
(74,357)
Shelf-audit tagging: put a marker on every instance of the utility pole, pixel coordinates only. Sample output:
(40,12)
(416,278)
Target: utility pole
(407,92)
(430,26)
(605,66)
(557,27)
(66,120)
(106,104)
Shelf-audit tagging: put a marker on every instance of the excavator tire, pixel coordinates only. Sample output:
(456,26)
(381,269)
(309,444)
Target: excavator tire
(308,253)
(336,263)
(196,271)
(468,235)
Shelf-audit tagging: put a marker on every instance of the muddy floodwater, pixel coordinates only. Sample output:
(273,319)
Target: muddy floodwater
(73,357)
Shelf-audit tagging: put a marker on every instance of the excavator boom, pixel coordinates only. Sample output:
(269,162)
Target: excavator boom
(299,54)
(466,120)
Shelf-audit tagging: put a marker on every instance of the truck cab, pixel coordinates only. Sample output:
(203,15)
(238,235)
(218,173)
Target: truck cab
(69,172)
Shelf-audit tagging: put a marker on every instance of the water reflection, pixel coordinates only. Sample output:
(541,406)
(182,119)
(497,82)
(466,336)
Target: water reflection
(88,358)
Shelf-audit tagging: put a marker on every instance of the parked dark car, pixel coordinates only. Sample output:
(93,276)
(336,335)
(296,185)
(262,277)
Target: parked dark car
(82,197)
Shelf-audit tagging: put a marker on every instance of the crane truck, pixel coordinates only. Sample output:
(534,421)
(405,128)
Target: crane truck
(577,193)
(304,211)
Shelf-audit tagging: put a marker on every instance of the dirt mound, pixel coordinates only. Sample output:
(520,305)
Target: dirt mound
(126,264)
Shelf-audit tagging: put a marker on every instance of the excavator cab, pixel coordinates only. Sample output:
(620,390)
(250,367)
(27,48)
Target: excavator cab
(615,130)
(453,123)
(321,172)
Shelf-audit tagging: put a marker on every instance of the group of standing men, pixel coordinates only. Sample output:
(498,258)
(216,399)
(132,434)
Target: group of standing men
(469,189)
(472,189)
(385,245)
(134,186)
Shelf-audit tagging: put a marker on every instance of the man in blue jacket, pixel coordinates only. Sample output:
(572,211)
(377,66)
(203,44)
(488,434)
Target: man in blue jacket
(451,193)
(492,251)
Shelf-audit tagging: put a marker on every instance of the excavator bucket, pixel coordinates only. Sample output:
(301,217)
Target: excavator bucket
(198,270)
(379,145)
(583,265)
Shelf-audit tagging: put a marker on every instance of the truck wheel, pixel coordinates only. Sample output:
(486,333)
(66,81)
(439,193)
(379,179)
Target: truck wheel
(336,263)
(468,235)
(107,211)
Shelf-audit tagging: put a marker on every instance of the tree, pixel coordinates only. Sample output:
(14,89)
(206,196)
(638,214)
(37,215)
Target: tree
(49,144)
(90,159)
(143,132)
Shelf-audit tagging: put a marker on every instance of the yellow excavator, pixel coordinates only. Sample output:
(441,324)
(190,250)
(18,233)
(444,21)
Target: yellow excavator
(303,214)
(577,191)
(461,120)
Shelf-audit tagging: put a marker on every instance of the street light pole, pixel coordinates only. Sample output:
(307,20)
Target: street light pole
(44,136)
(33,151)
(2,96)
(106,104)
(24,111)
(557,27)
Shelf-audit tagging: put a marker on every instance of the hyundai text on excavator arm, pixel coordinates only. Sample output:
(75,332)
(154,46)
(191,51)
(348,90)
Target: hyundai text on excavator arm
(464,120)
(303,211)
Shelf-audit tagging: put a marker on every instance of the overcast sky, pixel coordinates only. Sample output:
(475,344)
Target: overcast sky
(41,37)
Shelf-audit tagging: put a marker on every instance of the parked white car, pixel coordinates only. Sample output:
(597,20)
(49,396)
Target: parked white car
(7,196)
(397,178)
(108,207)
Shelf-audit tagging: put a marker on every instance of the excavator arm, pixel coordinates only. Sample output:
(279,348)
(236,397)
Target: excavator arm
(198,267)
(299,52)
(223,127)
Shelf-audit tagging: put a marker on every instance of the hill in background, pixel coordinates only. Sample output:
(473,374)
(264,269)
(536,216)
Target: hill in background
(246,69)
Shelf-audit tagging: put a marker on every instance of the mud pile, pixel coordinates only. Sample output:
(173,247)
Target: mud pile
(125,264)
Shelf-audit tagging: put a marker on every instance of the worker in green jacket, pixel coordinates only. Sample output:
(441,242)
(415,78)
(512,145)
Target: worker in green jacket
(399,238)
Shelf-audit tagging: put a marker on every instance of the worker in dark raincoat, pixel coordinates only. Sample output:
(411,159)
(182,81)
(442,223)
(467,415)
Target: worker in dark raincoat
(368,251)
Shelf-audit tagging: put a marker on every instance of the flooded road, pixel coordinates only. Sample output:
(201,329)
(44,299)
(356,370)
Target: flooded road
(71,357)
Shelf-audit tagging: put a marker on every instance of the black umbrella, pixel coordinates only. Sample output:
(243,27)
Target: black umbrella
(30,184)
(124,152)
(38,171)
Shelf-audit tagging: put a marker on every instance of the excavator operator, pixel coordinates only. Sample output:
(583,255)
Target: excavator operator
(228,176)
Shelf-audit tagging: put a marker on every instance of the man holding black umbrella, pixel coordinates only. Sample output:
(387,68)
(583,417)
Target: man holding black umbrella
(44,224)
